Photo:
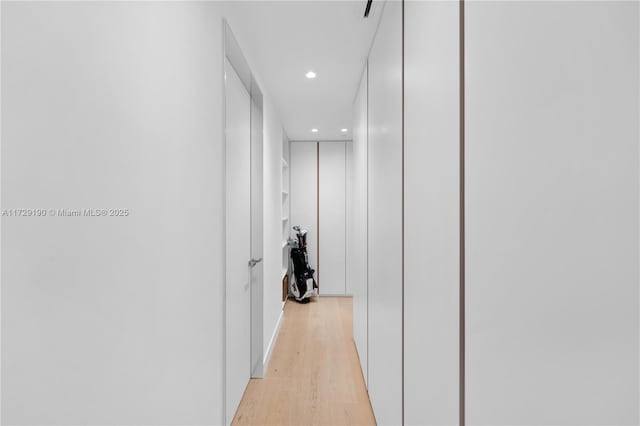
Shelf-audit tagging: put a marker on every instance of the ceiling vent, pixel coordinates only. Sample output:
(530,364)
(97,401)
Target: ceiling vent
(368,8)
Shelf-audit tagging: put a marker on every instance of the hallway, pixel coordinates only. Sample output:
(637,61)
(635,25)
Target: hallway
(459,181)
(314,377)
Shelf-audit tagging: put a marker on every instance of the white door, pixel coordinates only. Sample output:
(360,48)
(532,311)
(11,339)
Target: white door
(256,241)
(331,218)
(304,196)
(238,239)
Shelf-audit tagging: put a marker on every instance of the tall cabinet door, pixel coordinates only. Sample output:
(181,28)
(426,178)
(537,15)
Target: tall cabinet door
(304,193)
(331,217)
(384,226)
(552,213)
(356,249)
(431,213)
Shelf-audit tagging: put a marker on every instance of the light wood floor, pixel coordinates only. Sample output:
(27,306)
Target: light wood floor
(314,376)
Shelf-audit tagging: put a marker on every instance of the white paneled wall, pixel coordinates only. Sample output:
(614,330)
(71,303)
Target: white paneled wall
(357,224)
(385,218)
(552,218)
(332,217)
(552,213)
(431,214)
(348,210)
(318,203)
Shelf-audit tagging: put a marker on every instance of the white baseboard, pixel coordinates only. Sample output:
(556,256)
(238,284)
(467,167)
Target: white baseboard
(272,343)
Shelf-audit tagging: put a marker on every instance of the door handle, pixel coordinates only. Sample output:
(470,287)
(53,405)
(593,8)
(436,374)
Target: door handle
(254,262)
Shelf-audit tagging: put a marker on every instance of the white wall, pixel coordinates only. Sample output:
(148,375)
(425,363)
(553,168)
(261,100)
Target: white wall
(356,249)
(119,320)
(332,217)
(318,190)
(432,203)
(112,320)
(552,213)
(385,218)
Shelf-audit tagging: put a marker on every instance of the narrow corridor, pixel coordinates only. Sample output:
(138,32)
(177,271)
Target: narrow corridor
(458,179)
(314,377)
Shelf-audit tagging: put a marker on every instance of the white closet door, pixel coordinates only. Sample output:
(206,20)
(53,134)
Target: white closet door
(552,213)
(304,193)
(432,219)
(356,256)
(385,218)
(332,217)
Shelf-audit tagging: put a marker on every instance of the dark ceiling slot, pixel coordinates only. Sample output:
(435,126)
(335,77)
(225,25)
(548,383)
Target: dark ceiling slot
(368,8)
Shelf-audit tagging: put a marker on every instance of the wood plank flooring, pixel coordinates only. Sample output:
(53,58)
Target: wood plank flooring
(314,376)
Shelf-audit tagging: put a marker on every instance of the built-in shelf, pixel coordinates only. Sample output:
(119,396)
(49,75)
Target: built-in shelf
(285,213)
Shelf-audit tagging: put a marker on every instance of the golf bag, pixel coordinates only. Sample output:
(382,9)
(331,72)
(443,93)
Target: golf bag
(303,285)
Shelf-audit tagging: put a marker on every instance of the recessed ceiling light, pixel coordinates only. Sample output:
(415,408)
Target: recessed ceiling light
(314,130)
(343,130)
(311,74)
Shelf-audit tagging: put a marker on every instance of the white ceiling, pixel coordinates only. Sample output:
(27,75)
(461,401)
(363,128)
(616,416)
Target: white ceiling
(282,40)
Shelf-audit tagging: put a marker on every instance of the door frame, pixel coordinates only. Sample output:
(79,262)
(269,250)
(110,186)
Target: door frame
(233,53)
